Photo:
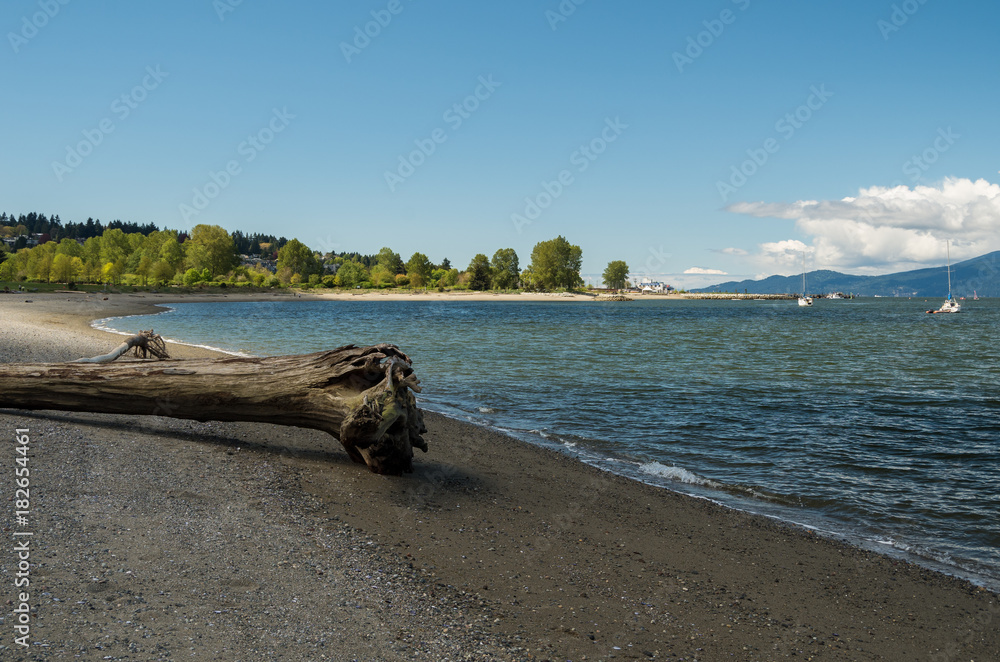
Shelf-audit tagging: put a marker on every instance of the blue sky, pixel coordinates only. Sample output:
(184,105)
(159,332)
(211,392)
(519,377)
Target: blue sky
(724,137)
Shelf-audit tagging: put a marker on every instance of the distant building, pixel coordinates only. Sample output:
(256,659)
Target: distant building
(648,286)
(252,261)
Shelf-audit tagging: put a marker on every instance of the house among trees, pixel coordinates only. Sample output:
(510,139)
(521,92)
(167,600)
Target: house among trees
(255,261)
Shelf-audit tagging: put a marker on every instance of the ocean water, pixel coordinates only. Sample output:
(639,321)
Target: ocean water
(867,420)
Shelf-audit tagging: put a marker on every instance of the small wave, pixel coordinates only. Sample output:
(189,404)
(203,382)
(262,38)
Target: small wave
(554,439)
(677,474)
(101,326)
(487,410)
(213,348)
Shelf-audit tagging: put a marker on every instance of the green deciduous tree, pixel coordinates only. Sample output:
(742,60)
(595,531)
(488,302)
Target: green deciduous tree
(162,271)
(479,273)
(63,269)
(172,253)
(14,266)
(92,259)
(298,259)
(419,269)
(381,277)
(114,246)
(113,272)
(556,263)
(143,269)
(505,269)
(351,274)
(210,247)
(616,275)
(153,243)
(192,277)
(40,261)
(390,261)
(70,247)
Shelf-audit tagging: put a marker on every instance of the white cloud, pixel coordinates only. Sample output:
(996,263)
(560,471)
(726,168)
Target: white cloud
(705,272)
(786,255)
(886,229)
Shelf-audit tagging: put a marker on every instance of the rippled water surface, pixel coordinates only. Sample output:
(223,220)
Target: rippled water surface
(867,418)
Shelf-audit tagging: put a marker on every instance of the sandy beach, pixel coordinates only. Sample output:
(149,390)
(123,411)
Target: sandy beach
(158,539)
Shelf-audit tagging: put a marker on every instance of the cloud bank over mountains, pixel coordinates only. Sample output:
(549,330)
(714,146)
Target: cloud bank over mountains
(883,229)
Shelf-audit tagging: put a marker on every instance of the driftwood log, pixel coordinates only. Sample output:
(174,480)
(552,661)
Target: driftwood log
(363,396)
(144,344)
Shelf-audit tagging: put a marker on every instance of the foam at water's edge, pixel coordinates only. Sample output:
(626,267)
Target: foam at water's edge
(102,325)
(678,474)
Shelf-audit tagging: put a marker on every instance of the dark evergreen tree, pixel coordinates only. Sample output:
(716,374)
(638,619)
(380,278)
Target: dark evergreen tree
(479,273)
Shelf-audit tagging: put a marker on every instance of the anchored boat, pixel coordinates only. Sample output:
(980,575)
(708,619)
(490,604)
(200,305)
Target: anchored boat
(950,305)
(804,300)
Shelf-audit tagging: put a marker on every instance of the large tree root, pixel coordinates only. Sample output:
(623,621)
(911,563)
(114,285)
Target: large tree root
(361,395)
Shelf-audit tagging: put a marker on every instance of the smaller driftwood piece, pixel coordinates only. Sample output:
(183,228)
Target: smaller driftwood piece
(145,344)
(363,396)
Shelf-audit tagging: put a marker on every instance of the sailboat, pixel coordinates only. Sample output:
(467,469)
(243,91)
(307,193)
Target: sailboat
(804,300)
(949,305)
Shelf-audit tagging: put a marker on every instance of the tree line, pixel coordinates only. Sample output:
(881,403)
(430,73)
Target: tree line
(143,255)
(21,228)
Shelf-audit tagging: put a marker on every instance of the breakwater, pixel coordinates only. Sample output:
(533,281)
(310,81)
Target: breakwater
(732,295)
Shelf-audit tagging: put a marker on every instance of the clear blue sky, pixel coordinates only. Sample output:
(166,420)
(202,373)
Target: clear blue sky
(873,84)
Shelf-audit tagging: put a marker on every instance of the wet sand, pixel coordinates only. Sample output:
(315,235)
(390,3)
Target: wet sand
(165,539)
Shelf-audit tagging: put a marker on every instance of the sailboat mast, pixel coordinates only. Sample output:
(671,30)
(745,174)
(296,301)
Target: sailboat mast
(948,249)
(803,273)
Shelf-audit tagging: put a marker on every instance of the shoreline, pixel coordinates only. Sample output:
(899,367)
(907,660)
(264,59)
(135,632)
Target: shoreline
(566,554)
(869,541)
(701,488)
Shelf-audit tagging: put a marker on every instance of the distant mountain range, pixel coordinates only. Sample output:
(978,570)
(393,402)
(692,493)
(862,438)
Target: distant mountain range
(980,275)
